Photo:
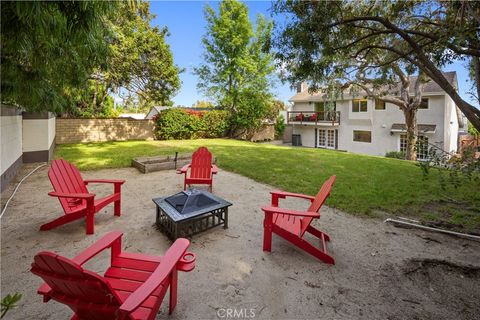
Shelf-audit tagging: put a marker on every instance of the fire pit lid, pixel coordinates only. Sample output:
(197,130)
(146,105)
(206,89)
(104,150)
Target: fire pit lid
(189,201)
(189,204)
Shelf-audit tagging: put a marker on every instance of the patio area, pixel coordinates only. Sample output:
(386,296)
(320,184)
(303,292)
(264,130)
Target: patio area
(381,272)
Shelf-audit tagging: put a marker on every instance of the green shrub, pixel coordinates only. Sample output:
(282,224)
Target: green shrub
(472,131)
(279,126)
(175,123)
(396,155)
(213,124)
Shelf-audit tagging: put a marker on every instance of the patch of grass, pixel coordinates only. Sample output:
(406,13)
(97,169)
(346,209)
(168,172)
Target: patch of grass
(460,216)
(364,183)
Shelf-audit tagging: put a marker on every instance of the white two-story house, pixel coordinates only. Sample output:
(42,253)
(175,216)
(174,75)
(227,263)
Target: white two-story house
(359,124)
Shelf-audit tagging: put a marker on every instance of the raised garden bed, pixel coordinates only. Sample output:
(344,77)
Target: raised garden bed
(151,164)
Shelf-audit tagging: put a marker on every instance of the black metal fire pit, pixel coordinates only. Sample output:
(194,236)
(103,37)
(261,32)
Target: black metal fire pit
(189,212)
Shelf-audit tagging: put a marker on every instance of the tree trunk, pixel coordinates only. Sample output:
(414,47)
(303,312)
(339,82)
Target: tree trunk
(476,67)
(102,100)
(94,102)
(472,113)
(412,132)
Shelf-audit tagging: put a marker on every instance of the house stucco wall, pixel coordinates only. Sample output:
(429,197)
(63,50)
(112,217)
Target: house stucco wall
(451,122)
(11,143)
(38,136)
(25,137)
(380,122)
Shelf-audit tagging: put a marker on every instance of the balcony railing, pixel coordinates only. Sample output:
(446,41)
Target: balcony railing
(314,118)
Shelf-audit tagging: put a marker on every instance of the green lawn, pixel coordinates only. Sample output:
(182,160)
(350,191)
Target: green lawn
(364,183)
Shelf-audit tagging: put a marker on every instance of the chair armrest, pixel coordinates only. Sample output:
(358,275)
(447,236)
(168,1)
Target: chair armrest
(184,169)
(291,212)
(214,169)
(72,195)
(104,181)
(284,194)
(278,194)
(44,290)
(112,239)
(168,264)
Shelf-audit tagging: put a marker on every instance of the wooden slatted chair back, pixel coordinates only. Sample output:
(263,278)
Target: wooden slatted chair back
(201,167)
(320,199)
(85,292)
(66,178)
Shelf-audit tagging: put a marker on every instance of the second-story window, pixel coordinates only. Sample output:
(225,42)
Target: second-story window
(379,104)
(326,110)
(359,105)
(423,104)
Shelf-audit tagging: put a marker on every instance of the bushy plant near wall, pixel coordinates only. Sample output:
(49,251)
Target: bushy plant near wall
(280,126)
(178,123)
(395,154)
(213,124)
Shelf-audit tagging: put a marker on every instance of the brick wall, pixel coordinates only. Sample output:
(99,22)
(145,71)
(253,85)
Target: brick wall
(69,130)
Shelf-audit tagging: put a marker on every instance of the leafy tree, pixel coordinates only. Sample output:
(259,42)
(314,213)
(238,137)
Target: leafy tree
(86,106)
(362,73)
(237,66)
(139,67)
(203,104)
(471,130)
(422,36)
(49,49)
(141,62)
(275,107)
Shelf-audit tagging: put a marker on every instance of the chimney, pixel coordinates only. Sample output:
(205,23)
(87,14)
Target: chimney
(301,87)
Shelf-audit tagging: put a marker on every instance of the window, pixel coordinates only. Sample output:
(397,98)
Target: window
(359,105)
(379,104)
(421,147)
(423,104)
(325,106)
(362,136)
(319,106)
(325,109)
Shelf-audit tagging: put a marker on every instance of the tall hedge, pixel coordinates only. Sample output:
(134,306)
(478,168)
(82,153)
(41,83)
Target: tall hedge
(176,123)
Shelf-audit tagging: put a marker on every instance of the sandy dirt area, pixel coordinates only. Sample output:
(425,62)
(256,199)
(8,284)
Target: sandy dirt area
(381,272)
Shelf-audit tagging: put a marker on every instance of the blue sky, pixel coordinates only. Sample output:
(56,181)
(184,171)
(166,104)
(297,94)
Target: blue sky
(186,23)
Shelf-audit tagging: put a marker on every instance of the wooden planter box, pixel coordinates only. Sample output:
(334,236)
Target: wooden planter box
(151,164)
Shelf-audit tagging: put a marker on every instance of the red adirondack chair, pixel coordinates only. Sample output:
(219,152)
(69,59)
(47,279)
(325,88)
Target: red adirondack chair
(201,169)
(77,202)
(133,287)
(292,225)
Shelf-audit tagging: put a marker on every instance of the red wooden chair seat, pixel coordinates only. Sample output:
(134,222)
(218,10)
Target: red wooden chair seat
(201,169)
(133,287)
(288,223)
(292,225)
(71,190)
